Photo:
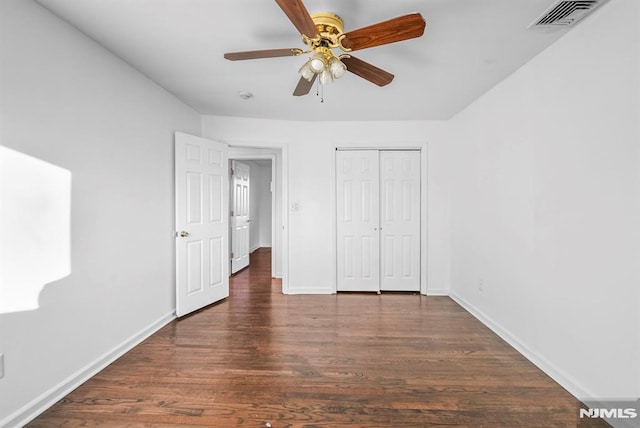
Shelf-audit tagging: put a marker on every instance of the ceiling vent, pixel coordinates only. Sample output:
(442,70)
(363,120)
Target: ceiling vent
(564,13)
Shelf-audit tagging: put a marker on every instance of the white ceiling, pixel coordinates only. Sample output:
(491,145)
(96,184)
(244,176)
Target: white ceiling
(468,47)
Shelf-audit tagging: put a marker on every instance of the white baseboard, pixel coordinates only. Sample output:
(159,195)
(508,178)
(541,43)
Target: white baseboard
(29,412)
(438,292)
(310,291)
(558,375)
(542,363)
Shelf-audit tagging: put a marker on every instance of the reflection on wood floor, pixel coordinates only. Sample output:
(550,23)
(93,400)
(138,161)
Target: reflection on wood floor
(361,360)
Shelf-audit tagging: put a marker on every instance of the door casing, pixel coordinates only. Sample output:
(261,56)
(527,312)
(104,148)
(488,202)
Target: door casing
(278,249)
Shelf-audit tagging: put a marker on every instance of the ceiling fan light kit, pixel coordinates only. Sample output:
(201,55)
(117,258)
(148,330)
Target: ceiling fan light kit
(324,63)
(323,32)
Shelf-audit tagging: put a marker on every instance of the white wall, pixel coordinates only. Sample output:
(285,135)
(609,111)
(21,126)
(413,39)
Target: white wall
(264,205)
(254,205)
(67,101)
(260,204)
(310,185)
(545,206)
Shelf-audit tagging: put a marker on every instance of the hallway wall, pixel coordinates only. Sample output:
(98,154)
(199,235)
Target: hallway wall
(260,204)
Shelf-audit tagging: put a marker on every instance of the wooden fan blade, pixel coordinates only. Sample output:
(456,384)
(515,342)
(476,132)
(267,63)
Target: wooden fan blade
(304,86)
(395,30)
(299,17)
(268,53)
(367,71)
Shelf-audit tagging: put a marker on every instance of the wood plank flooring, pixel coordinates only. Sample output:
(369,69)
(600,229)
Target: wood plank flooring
(261,357)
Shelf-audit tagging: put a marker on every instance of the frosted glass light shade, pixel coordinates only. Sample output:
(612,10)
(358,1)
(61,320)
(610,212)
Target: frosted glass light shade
(317,63)
(326,77)
(306,71)
(337,68)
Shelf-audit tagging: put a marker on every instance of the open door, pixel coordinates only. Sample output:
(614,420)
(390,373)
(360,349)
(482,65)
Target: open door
(240,220)
(202,206)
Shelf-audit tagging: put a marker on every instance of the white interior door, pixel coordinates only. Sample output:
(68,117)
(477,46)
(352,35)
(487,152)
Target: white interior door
(240,220)
(202,186)
(358,220)
(400,220)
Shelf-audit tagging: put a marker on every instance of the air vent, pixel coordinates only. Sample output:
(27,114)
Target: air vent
(564,13)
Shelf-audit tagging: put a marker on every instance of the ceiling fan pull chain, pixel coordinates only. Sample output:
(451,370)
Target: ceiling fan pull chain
(322,93)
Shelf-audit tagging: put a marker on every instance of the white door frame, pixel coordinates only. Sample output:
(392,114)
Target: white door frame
(422,147)
(272,158)
(259,147)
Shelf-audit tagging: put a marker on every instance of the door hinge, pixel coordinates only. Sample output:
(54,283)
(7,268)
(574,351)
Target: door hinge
(233,172)
(231,254)
(231,213)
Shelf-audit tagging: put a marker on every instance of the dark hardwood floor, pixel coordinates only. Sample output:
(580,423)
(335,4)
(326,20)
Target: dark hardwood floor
(261,357)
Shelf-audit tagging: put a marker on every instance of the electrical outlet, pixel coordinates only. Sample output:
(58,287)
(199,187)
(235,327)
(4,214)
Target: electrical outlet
(1,366)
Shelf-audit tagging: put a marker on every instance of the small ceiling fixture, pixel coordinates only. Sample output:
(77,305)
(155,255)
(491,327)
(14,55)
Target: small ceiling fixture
(245,95)
(323,32)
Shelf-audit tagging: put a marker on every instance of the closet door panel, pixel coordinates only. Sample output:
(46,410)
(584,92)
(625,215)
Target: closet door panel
(358,201)
(400,220)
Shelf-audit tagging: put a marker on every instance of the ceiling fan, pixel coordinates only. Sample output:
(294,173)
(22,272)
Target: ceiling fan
(324,31)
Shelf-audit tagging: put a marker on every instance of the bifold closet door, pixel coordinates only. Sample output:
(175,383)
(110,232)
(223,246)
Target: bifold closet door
(378,220)
(358,211)
(400,220)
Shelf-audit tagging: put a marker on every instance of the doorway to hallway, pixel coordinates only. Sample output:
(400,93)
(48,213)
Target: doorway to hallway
(252,203)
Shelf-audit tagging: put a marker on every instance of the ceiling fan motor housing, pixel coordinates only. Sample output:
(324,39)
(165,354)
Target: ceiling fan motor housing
(328,22)
(330,27)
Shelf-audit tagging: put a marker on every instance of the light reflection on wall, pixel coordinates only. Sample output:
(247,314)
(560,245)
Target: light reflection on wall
(35,228)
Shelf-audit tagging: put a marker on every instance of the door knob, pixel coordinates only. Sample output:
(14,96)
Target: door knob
(184,234)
